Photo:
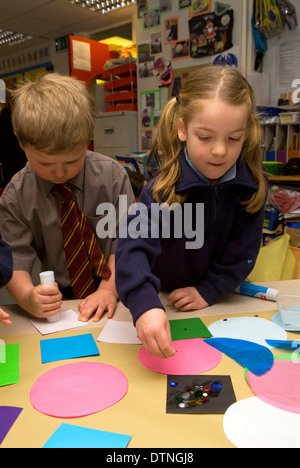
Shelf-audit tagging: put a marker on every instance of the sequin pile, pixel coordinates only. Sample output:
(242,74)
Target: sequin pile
(197,395)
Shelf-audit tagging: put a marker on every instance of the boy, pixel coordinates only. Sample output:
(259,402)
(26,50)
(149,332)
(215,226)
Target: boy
(53,119)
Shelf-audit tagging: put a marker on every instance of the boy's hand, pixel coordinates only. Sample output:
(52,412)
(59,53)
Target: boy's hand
(43,301)
(153,330)
(187,299)
(100,301)
(4,317)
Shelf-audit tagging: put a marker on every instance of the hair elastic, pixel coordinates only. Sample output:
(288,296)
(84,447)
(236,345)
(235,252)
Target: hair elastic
(178,98)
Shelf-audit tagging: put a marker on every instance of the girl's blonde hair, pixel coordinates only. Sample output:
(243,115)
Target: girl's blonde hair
(208,82)
(54,114)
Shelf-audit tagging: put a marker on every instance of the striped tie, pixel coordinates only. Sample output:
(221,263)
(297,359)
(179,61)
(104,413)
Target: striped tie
(81,246)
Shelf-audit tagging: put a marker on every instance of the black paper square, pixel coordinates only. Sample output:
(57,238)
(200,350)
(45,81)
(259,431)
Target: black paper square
(216,405)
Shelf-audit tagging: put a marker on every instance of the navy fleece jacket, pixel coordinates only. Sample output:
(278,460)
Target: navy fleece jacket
(6,263)
(232,237)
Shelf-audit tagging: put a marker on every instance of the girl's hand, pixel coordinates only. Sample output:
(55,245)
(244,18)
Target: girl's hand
(100,301)
(153,330)
(4,317)
(187,299)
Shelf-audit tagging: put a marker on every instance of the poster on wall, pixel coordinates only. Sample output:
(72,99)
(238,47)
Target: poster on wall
(198,8)
(210,34)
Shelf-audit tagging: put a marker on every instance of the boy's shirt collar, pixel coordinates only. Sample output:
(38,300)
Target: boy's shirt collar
(77,181)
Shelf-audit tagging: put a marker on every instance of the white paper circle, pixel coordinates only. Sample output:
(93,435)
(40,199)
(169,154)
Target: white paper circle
(252,329)
(252,423)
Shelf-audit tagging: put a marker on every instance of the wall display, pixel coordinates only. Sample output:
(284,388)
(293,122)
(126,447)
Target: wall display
(178,76)
(184,4)
(156,43)
(141,6)
(210,34)
(165,5)
(199,8)
(164,72)
(177,35)
(230,58)
(180,49)
(145,61)
(151,99)
(151,18)
(146,139)
(146,117)
(150,109)
(170,30)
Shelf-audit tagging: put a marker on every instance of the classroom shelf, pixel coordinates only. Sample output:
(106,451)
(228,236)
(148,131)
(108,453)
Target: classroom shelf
(121,88)
(281,141)
(121,96)
(128,69)
(283,178)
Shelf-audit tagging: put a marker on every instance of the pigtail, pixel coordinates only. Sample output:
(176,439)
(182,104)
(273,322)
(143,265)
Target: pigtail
(165,151)
(251,153)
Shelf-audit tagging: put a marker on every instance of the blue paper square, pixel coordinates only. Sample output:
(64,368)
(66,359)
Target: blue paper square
(69,436)
(59,349)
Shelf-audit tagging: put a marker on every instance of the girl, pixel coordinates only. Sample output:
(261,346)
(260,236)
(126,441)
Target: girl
(207,150)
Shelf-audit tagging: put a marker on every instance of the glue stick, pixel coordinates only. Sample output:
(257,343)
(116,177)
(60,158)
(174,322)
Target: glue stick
(255,290)
(47,278)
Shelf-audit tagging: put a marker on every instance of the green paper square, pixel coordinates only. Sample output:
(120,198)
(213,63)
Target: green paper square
(184,329)
(9,370)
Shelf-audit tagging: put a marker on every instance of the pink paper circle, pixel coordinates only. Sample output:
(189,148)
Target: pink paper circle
(78,389)
(279,386)
(192,357)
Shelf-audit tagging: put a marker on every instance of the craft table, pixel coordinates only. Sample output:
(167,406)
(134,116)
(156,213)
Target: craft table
(142,412)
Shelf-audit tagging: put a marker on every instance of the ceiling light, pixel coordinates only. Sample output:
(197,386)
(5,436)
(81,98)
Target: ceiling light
(12,38)
(101,6)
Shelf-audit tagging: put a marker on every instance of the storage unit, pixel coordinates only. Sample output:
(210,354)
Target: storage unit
(116,133)
(281,141)
(121,88)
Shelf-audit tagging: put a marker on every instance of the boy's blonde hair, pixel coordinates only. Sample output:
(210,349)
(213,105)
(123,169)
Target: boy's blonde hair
(53,114)
(208,82)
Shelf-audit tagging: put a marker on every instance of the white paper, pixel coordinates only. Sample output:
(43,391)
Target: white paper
(82,55)
(119,332)
(260,83)
(289,60)
(252,423)
(253,329)
(68,320)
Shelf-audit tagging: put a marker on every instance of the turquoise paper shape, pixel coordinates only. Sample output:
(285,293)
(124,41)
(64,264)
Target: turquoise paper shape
(59,349)
(69,436)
